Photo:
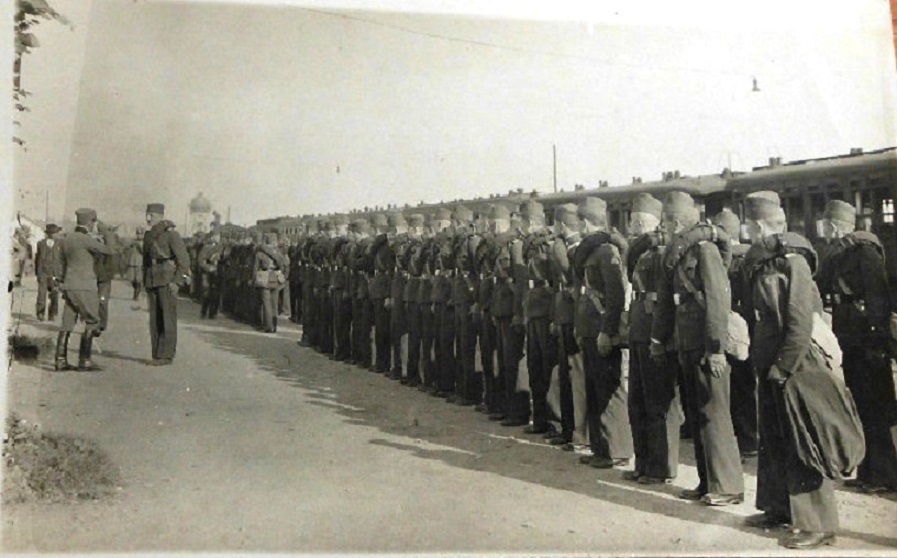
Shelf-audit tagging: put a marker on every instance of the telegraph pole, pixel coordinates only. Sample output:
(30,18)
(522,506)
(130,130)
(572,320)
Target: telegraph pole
(554,161)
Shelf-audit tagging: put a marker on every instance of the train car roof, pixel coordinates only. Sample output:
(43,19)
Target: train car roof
(694,185)
(813,170)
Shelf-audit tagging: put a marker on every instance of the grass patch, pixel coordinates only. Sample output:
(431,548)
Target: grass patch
(25,348)
(51,467)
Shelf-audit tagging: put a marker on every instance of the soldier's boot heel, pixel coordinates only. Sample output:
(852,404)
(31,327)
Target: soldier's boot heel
(85,364)
(61,360)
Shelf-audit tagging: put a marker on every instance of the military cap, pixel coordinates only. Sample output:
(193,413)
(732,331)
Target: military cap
(677,203)
(340,219)
(378,220)
(416,220)
(499,211)
(728,221)
(592,209)
(566,214)
(395,219)
(837,210)
(443,214)
(52,228)
(462,213)
(762,205)
(155,208)
(531,209)
(85,216)
(646,203)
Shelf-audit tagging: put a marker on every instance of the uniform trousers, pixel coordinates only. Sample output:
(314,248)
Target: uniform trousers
(46,288)
(396,331)
(606,406)
(163,320)
(446,361)
(744,404)
(510,352)
(655,413)
(541,357)
(342,323)
(325,315)
(716,450)
(211,295)
(567,348)
(427,342)
(104,290)
(83,304)
(492,390)
(267,298)
(383,347)
(786,488)
(465,351)
(361,331)
(868,375)
(297,292)
(413,311)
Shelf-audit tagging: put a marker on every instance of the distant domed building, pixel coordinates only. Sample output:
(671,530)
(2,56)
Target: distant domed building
(200,218)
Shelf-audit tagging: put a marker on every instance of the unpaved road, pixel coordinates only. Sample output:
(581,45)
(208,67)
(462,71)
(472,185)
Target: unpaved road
(251,443)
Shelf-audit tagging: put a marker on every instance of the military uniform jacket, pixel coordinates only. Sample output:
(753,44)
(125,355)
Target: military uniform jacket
(48,260)
(646,271)
(105,265)
(535,287)
(165,258)
(601,291)
(783,299)
(268,259)
(693,301)
(78,260)
(209,257)
(862,301)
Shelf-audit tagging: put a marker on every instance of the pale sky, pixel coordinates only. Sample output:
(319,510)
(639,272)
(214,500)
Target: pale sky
(286,110)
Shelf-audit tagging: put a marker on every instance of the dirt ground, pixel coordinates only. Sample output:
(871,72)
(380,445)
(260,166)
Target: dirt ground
(249,443)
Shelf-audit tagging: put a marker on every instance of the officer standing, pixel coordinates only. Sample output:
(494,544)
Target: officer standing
(268,274)
(134,272)
(48,268)
(210,291)
(105,266)
(861,310)
(166,268)
(694,300)
(783,299)
(79,287)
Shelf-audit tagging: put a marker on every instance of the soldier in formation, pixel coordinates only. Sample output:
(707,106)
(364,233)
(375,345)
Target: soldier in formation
(452,301)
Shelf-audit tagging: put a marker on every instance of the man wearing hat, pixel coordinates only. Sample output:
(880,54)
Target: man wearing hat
(655,413)
(571,377)
(134,255)
(411,263)
(744,381)
(79,287)
(209,256)
(861,310)
(268,277)
(166,268)
(784,298)
(600,302)
(105,269)
(48,269)
(463,297)
(694,301)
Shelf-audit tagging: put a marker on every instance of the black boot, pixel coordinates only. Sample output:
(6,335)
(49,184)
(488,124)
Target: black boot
(62,350)
(274,322)
(84,362)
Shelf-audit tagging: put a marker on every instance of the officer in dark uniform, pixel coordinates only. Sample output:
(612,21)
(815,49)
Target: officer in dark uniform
(48,269)
(462,299)
(862,305)
(484,259)
(105,266)
(166,268)
(783,300)
(599,308)
(79,288)
(411,263)
(427,264)
(209,256)
(694,299)
(655,413)
(396,300)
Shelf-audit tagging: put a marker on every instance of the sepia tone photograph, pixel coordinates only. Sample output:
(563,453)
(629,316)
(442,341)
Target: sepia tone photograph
(449,278)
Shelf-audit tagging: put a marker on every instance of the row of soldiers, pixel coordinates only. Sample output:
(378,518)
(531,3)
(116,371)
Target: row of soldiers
(452,304)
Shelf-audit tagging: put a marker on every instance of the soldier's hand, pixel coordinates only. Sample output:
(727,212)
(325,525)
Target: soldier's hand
(517,325)
(776,376)
(553,329)
(605,344)
(173,288)
(387,303)
(658,354)
(716,363)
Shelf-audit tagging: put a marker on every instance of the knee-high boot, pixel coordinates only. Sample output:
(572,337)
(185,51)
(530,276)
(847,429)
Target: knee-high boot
(62,350)
(84,362)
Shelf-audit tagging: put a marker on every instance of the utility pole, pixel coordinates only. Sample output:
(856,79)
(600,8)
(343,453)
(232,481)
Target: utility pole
(46,205)
(554,160)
